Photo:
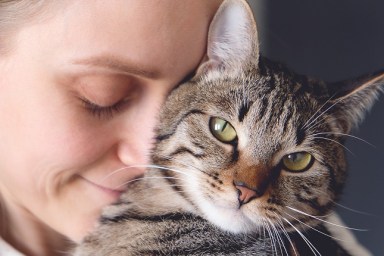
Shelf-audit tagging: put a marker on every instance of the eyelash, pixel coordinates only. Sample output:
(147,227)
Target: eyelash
(101,111)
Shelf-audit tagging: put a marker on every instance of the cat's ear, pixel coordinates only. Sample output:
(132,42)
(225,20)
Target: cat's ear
(353,98)
(232,39)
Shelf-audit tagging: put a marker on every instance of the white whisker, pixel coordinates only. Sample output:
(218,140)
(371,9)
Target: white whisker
(146,178)
(317,218)
(347,135)
(114,172)
(310,245)
(280,223)
(280,240)
(314,115)
(275,238)
(317,123)
(162,190)
(273,242)
(324,112)
(170,169)
(352,210)
(323,138)
(144,166)
(305,224)
(183,163)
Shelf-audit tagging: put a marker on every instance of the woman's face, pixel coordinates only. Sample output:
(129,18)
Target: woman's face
(79,94)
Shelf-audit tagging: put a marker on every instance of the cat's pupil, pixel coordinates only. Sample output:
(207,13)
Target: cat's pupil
(222,130)
(293,157)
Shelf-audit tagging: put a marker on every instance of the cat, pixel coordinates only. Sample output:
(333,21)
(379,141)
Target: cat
(248,159)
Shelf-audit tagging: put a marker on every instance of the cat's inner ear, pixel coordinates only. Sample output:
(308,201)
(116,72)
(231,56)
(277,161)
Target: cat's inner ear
(351,99)
(232,38)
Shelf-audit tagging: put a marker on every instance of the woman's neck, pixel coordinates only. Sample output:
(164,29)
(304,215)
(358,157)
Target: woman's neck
(27,234)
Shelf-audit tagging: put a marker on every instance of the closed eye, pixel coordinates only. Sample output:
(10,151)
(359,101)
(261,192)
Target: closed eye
(103,111)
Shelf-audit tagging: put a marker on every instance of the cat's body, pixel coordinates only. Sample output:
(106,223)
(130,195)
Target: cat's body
(246,153)
(185,234)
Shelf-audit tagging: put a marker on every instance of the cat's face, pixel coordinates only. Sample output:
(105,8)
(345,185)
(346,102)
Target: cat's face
(254,149)
(257,145)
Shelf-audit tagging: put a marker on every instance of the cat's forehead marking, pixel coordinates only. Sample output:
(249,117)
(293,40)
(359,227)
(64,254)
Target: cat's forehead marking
(268,107)
(272,116)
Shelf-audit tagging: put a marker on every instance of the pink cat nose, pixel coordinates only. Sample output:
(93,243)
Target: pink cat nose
(246,194)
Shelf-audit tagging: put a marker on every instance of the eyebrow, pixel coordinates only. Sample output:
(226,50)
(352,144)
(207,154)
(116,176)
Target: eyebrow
(120,65)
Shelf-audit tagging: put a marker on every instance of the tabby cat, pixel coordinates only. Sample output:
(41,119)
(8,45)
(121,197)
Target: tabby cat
(249,158)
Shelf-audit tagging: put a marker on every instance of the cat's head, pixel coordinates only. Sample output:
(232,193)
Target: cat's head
(256,144)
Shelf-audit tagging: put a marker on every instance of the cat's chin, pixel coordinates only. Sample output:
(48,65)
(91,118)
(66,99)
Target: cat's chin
(232,218)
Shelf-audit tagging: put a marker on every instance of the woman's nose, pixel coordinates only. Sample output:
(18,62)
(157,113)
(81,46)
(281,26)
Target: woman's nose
(134,145)
(136,136)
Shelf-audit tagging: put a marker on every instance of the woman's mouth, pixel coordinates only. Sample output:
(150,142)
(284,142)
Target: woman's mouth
(114,193)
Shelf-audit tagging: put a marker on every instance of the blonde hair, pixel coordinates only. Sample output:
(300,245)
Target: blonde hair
(13,15)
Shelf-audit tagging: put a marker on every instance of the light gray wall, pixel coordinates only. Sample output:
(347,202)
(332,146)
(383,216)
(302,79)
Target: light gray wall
(333,40)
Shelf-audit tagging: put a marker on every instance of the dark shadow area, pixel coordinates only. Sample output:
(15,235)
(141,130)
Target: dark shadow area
(335,40)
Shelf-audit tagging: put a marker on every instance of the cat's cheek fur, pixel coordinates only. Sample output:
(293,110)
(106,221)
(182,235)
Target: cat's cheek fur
(221,207)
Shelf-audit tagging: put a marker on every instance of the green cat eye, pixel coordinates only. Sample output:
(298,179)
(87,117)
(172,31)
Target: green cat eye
(297,162)
(222,130)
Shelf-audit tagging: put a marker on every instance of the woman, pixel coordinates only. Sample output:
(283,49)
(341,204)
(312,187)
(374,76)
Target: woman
(81,84)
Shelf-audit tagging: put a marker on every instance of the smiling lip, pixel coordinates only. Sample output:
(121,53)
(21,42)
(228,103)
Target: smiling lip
(115,193)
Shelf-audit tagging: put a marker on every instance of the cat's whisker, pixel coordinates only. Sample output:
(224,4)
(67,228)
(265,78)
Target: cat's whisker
(324,112)
(267,230)
(198,170)
(165,168)
(161,190)
(310,245)
(173,169)
(276,229)
(309,226)
(316,123)
(341,206)
(194,168)
(324,221)
(275,237)
(347,135)
(145,178)
(102,180)
(323,138)
(184,164)
(312,123)
(309,121)
(321,121)
(282,228)
(280,240)
(352,210)
(263,228)
(272,235)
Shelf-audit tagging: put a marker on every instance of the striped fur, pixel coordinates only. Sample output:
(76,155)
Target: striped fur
(188,204)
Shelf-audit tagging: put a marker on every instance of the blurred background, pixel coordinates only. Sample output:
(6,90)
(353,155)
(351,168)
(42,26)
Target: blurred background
(334,40)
